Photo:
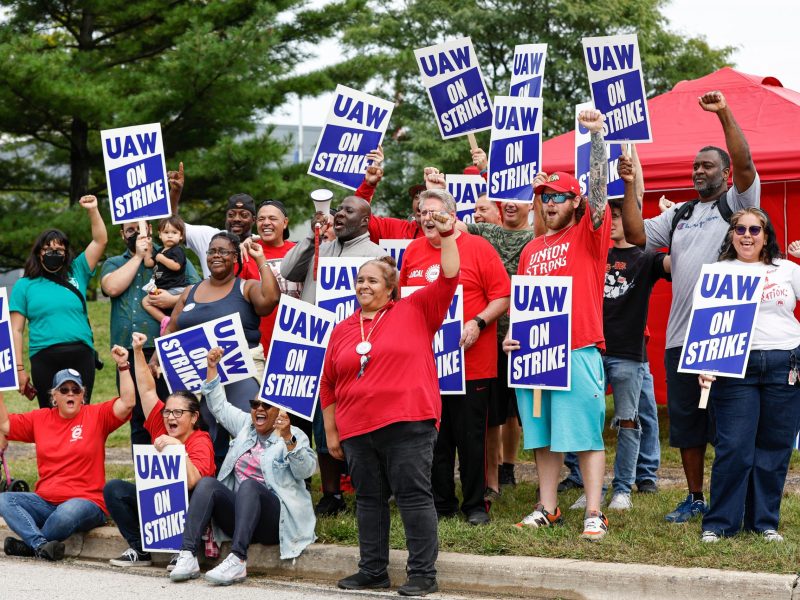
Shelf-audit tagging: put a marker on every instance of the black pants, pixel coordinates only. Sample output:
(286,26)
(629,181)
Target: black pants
(123,506)
(395,459)
(139,435)
(463,430)
(46,363)
(252,514)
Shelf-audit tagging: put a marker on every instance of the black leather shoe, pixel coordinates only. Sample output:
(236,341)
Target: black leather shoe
(14,547)
(568,484)
(418,586)
(52,551)
(478,517)
(362,581)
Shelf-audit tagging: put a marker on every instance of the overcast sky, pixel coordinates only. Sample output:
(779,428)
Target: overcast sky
(763,31)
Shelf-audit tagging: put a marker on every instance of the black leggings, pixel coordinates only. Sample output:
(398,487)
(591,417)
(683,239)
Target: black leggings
(252,514)
(46,363)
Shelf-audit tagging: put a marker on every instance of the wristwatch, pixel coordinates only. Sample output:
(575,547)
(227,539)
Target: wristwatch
(481,323)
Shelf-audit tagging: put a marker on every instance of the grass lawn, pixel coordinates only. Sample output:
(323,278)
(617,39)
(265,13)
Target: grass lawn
(637,536)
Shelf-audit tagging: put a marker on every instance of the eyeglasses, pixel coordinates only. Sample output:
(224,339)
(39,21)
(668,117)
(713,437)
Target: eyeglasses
(175,412)
(70,389)
(256,404)
(54,253)
(558,198)
(221,251)
(753,229)
(425,213)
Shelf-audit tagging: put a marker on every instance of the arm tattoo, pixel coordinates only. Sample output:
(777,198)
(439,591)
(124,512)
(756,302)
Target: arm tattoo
(598,176)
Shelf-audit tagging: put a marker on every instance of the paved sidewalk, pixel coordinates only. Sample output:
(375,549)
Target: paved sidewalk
(490,576)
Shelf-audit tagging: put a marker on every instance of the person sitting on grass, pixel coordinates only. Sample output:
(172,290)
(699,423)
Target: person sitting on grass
(260,493)
(70,443)
(176,421)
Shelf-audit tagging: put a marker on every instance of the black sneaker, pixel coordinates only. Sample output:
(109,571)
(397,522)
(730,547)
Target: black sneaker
(132,558)
(478,517)
(648,486)
(568,484)
(506,474)
(329,505)
(362,581)
(52,551)
(14,547)
(418,586)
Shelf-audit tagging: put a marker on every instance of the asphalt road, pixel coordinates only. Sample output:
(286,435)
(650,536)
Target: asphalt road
(28,579)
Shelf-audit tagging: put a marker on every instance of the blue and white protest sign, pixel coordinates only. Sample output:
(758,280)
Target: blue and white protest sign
(295,357)
(136,173)
(466,189)
(182,355)
(162,495)
(724,311)
(452,76)
(336,284)
(540,320)
(8,363)
(527,71)
(515,152)
(355,125)
(447,352)
(615,77)
(395,249)
(615,187)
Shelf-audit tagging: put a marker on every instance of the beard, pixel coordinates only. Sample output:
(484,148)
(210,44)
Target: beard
(560,220)
(710,188)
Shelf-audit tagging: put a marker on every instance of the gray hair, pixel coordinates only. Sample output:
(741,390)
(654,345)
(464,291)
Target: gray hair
(443,196)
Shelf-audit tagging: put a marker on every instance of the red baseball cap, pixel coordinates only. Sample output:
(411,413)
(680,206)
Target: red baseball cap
(560,182)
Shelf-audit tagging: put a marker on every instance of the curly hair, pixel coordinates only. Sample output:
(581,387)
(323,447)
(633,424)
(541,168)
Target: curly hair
(769,252)
(388,268)
(33,264)
(234,240)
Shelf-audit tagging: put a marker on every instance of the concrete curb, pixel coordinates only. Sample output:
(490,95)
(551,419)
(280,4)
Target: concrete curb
(529,577)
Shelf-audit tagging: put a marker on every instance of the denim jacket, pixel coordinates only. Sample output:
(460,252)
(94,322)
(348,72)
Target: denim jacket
(284,471)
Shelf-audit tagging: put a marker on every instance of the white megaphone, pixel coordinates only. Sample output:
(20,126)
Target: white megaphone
(322,200)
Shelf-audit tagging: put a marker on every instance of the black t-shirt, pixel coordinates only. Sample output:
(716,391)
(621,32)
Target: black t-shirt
(167,279)
(631,274)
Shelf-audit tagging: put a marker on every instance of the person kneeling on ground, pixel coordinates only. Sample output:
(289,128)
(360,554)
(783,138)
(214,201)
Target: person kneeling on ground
(176,421)
(260,493)
(70,443)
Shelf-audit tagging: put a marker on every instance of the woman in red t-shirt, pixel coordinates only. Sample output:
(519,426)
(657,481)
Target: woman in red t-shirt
(70,443)
(381,407)
(176,421)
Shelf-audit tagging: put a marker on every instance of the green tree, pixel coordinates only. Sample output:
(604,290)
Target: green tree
(208,71)
(391,31)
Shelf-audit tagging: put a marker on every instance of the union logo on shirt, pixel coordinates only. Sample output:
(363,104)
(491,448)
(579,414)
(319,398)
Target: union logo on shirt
(432,273)
(77,433)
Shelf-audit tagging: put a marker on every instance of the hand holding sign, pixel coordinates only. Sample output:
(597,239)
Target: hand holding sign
(163,441)
(479,158)
(434,180)
(540,179)
(591,120)
(705,380)
(510,345)
(625,167)
(713,101)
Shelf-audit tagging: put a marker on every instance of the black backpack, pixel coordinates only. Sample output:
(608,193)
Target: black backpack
(685,212)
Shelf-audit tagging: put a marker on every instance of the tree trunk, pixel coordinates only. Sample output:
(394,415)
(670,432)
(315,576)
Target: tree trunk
(79,160)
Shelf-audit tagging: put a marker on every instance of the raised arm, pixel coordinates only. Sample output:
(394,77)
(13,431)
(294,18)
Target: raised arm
(123,406)
(626,167)
(744,171)
(17,330)
(539,227)
(94,251)
(638,177)
(175,179)
(450,259)
(598,166)
(264,296)
(144,378)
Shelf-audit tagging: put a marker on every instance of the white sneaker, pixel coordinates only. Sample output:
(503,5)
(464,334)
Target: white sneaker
(771,535)
(620,501)
(580,503)
(231,570)
(595,527)
(541,518)
(186,568)
(709,537)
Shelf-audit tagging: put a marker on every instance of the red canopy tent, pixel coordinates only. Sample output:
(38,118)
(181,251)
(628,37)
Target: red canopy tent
(769,116)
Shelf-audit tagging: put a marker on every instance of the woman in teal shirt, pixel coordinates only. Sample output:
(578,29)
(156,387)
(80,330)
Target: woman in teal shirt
(59,335)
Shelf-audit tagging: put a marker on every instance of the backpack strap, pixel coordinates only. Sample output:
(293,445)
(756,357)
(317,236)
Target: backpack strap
(684,212)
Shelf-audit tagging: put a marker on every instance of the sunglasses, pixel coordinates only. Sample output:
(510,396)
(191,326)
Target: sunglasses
(256,404)
(175,412)
(221,251)
(753,229)
(558,198)
(54,253)
(70,389)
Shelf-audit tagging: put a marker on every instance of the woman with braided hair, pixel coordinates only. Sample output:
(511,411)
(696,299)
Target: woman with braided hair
(221,295)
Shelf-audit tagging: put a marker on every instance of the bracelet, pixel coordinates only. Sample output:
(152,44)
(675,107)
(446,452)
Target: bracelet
(262,266)
(291,441)
(447,233)
(125,367)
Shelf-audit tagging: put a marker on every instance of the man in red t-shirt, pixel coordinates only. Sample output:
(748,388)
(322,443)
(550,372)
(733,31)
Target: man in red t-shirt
(486,296)
(575,245)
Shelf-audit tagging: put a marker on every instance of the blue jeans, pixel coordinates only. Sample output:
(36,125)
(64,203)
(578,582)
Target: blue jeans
(625,377)
(395,459)
(37,521)
(650,445)
(757,419)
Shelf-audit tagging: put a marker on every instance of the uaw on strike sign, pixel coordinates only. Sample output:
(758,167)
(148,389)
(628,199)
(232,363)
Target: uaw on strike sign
(136,173)
(162,496)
